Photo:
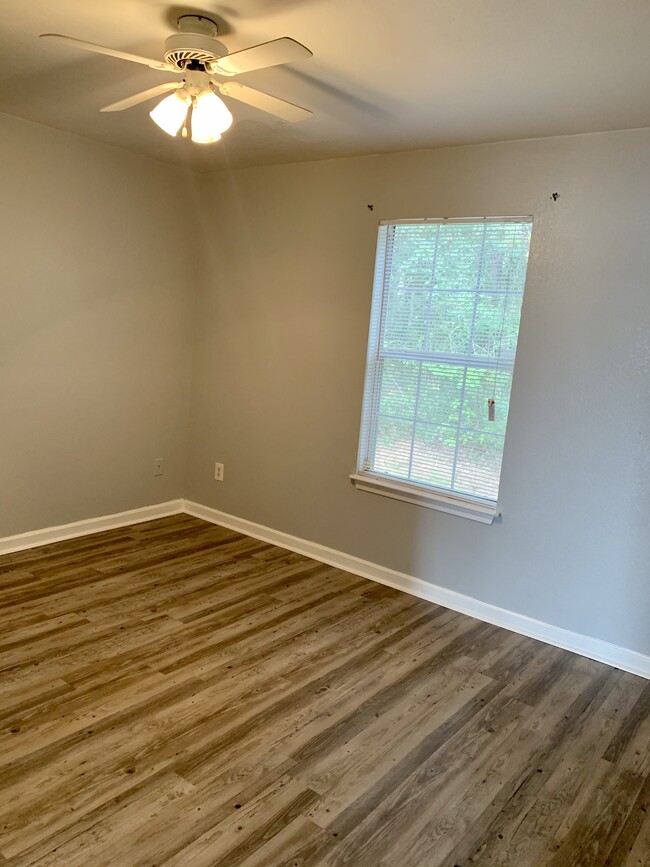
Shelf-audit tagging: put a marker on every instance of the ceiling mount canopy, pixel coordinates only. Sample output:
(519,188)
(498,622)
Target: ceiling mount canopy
(195,53)
(198,24)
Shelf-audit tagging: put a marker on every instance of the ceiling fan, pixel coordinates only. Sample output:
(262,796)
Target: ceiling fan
(194,53)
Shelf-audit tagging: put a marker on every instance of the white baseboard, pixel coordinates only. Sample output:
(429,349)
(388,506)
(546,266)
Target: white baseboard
(33,539)
(594,648)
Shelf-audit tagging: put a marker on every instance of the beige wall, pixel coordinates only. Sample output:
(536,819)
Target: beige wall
(280,342)
(101,252)
(95,305)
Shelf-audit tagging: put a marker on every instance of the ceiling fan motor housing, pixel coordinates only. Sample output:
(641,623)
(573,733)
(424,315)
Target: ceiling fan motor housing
(182,48)
(195,42)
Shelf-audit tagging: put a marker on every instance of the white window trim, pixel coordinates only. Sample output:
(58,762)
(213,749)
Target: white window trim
(484,511)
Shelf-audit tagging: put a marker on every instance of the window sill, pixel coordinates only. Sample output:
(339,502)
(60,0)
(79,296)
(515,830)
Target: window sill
(453,504)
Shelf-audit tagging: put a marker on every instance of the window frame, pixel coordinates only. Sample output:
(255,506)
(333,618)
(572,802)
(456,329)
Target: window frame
(365,479)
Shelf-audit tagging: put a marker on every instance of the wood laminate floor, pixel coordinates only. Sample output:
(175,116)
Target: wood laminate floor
(177,694)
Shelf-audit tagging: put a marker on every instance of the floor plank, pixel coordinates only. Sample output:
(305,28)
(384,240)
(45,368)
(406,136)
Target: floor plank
(174,693)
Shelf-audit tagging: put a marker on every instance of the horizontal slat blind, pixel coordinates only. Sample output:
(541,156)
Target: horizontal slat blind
(443,335)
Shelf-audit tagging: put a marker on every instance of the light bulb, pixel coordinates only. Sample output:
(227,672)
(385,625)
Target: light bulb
(210,118)
(170,113)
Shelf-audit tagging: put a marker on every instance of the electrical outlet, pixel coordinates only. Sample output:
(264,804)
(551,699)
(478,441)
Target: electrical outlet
(158,466)
(218,472)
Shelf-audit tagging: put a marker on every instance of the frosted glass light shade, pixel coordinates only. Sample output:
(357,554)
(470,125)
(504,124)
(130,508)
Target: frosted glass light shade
(210,118)
(170,113)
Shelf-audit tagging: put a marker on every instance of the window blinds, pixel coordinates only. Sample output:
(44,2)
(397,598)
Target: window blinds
(443,334)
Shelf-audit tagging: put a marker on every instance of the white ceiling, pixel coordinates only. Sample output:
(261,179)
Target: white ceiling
(385,76)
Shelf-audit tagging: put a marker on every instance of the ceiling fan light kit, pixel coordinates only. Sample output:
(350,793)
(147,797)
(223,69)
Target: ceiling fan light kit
(194,52)
(210,118)
(196,100)
(170,114)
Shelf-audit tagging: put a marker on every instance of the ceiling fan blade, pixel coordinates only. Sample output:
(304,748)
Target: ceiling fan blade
(110,52)
(264,101)
(284,50)
(143,96)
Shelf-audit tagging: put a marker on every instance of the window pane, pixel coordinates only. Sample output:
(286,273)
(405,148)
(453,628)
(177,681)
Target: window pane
(450,322)
(433,455)
(459,256)
(495,325)
(393,446)
(412,255)
(505,256)
(480,386)
(399,380)
(440,394)
(478,466)
(407,315)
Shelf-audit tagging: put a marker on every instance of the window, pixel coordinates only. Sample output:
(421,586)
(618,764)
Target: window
(441,351)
